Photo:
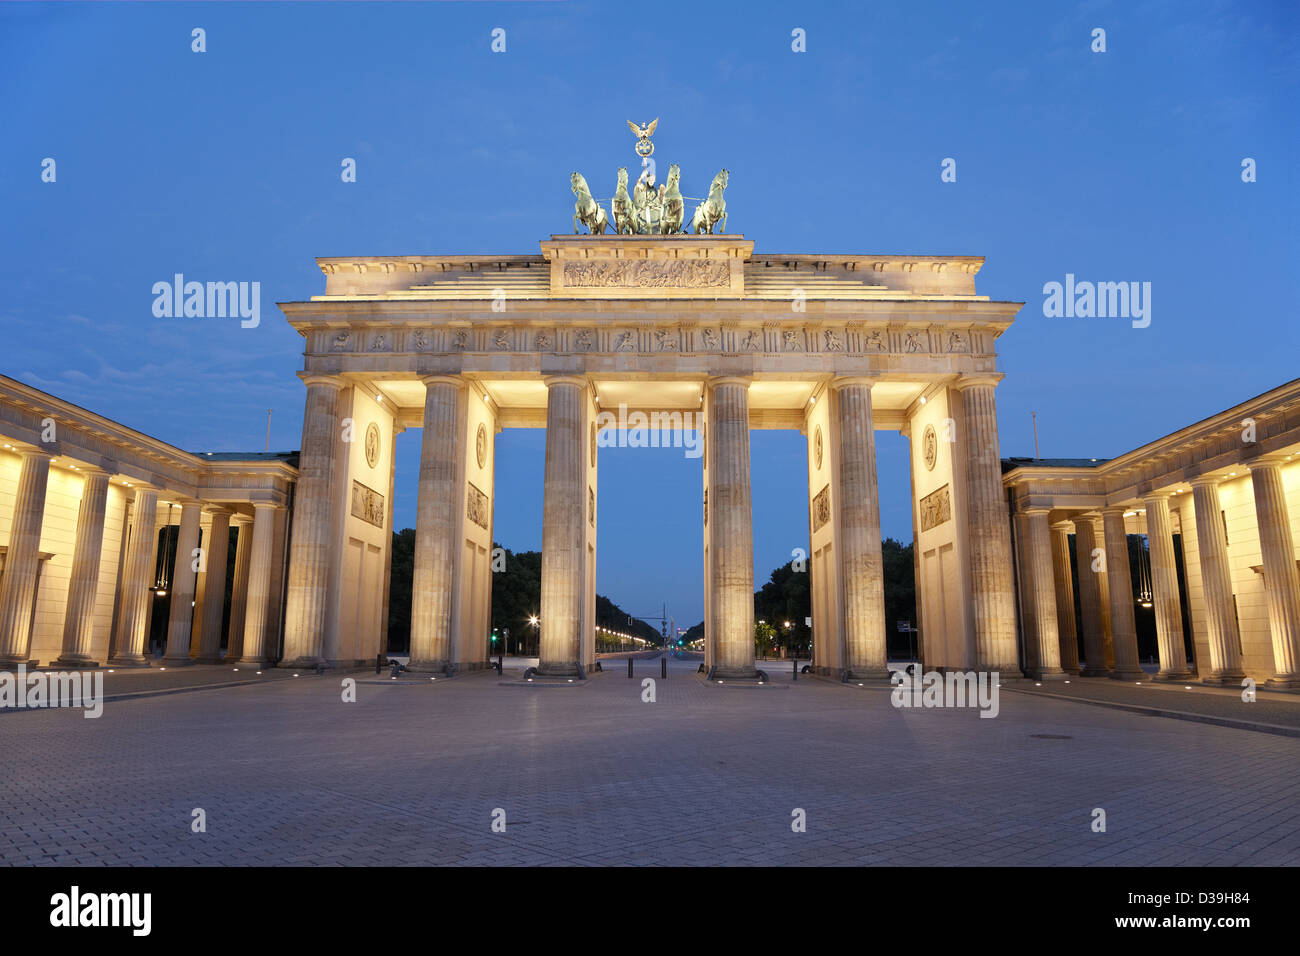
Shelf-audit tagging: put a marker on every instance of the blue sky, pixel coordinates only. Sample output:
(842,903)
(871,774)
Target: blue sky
(1115,166)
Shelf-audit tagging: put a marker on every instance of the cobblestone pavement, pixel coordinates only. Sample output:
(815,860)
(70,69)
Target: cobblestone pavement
(287,773)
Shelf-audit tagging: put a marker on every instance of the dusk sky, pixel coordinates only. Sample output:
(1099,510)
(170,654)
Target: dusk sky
(224,165)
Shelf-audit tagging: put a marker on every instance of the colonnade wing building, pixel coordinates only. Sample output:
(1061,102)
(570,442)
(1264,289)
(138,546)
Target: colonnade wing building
(695,332)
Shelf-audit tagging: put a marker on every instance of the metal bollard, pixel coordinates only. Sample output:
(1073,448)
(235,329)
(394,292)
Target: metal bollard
(795,662)
(379,662)
(629,667)
(663,667)
(501,664)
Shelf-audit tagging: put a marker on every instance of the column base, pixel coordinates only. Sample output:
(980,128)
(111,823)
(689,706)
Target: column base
(129,660)
(558,669)
(1089,671)
(299,663)
(868,674)
(252,662)
(428,666)
(750,673)
(1283,682)
(1174,677)
(1122,674)
(1054,674)
(9,663)
(75,663)
(1224,680)
(209,660)
(185,661)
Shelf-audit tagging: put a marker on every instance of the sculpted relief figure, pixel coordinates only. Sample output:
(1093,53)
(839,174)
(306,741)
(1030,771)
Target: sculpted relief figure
(709,338)
(625,342)
(501,339)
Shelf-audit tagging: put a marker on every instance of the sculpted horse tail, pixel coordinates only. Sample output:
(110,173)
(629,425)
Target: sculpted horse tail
(586,210)
(674,205)
(622,208)
(714,209)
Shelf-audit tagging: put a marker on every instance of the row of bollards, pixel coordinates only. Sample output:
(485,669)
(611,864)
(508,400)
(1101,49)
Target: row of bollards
(663,668)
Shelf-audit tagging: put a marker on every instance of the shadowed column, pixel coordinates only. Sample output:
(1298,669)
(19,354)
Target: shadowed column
(563,514)
(1123,626)
(259,585)
(137,580)
(989,532)
(214,591)
(433,574)
(1090,598)
(859,533)
(239,589)
(83,584)
(22,560)
(1039,552)
(731,512)
(181,618)
(1069,638)
(1281,581)
(1164,590)
(313,525)
(1216,581)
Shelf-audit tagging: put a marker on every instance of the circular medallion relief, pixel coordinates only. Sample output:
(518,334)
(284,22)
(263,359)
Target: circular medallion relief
(480,445)
(593,444)
(929,447)
(817,447)
(372,444)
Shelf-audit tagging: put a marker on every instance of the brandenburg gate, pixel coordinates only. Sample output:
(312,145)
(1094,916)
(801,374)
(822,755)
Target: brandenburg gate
(462,346)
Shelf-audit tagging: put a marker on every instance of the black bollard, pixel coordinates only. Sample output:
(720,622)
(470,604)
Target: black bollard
(379,662)
(501,664)
(795,671)
(629,667)
(663,667)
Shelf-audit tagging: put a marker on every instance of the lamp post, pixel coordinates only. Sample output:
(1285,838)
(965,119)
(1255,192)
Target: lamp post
(536,627)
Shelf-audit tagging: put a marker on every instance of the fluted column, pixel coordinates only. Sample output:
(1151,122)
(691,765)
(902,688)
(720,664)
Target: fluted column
(23,559)
(1281,581)
(732,515)
(1039,553)
(1216,581)
(1164,590)
(989,532)
(137,580)
(563,514)
(1064,586)
(83,584)
(436,548)
(214,592)
(256,623)
(1090,599)
(181,617)
(859,533)
(313,525)
(1122,623)
(239,588)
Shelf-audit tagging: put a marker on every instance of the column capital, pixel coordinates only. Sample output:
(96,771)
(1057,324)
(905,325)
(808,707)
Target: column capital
(1065,524)
(1120,510)
(217,510)
(24,450)
(990,379)
(1035,510)
(716,380)
(265,506)
(1273,460)
(844,381)
(579,380)
(1205,481)
(321,378)
(1157,496)
(441,379)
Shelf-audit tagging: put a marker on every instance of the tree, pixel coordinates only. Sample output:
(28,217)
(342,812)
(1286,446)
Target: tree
(764,638)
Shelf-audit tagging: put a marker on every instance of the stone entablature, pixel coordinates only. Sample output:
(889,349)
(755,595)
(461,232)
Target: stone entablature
(90,440)
(1208,447)
(639,267)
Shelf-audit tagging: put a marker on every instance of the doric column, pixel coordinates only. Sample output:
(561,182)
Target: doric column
(732,515)
(1090,598)
(1164,590)
(1216,582)
(1039,553)
(214,592)
(256,624)
(1123,626)
(23,559)
(1281,581)
(83,584)
(859,533)
(313,525)
(1064,585)
(440,501)
(989,531)
(563,514)
(137,580)
(181,618)
(239,588)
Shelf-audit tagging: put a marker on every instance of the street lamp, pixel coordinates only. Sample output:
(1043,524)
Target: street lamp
(536,628)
